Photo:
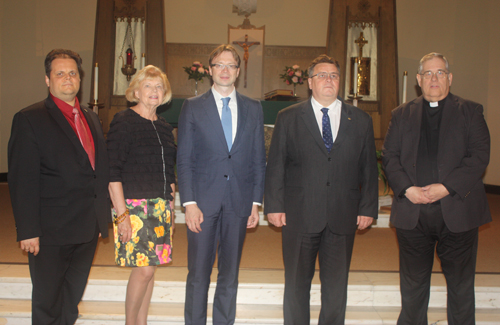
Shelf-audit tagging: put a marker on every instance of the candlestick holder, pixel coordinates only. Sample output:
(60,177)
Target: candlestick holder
(95,106)
(355,99)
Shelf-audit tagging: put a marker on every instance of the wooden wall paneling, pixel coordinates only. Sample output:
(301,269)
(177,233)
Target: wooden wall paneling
(104,44)
(336,38)
(387,70)
(156,51)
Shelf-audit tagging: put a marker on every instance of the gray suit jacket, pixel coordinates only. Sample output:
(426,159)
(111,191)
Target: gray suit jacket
(463,154)
(204,162)
(316,188)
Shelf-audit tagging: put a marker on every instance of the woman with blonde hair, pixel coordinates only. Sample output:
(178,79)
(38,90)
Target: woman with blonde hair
(142,154)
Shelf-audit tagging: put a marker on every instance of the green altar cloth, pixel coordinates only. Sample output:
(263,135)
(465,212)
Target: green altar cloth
(172,110)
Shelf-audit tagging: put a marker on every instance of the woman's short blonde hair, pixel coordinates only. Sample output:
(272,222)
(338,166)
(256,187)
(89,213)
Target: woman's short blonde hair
(148,72)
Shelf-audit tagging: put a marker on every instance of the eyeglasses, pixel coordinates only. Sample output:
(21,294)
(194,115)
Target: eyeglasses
(220,66)
(324,75)
(440,74)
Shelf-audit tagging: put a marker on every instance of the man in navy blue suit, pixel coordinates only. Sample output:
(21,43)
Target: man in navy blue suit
(221,166)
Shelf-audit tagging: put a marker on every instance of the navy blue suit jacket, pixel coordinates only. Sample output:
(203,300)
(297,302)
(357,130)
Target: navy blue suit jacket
(204,162)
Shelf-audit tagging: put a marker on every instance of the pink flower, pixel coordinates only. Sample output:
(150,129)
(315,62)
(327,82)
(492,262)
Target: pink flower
(287,82)
(295,79)
(300,80)
(193,68)
(290,73)
(136,203)
(298,73)
(295,67)
(201,70)
(163,253)
(197,63)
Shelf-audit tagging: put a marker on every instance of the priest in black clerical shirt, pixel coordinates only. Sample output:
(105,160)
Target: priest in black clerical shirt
(435,152)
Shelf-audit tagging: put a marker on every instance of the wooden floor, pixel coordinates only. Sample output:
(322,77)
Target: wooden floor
(374,249)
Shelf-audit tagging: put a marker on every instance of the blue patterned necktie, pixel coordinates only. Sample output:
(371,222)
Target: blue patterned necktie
(327,130)
(227,122)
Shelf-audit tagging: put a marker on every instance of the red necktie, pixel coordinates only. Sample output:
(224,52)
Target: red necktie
(84,137)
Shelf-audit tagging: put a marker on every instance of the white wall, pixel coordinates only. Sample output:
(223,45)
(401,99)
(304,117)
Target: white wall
(29,30)
(466,31)
(288,22)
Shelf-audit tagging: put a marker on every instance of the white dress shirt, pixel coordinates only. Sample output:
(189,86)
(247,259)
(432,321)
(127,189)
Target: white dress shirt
(333,113)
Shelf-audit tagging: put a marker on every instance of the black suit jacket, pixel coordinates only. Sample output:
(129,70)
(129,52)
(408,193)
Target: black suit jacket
(313,187)
(55,193)
(463,154)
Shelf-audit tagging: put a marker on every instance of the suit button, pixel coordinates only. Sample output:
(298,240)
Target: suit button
(95,196)
(229,157)
(327,183)
(95,176)
(329,158)
(225,176)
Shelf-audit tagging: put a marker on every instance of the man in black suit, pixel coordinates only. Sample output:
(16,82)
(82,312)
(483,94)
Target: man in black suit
(58,181)
(435,153)
(321,185)
(221,162)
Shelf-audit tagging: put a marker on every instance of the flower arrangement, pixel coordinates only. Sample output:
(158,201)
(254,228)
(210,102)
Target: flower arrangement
(196,71)
(293,75)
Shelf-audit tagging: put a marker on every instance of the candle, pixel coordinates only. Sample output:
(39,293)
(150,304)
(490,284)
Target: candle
(129,56)
(96,78)
(405,76)
(355,78)
(143,61)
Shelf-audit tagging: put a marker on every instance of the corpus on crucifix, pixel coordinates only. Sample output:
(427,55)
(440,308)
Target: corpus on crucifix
(246,45)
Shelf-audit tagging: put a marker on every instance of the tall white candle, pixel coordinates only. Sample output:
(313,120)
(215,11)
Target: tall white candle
(143,60)
(355,78)
(96,78)
(405,76)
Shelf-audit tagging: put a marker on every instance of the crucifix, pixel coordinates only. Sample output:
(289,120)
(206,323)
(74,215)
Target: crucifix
(245,45)
(361,41)
(360,69)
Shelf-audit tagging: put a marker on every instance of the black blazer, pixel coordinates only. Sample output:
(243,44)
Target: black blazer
(313,187)
(463,154)
(55,193)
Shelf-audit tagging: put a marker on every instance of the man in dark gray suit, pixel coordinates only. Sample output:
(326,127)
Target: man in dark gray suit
(435,153)
(220,166)
(321,185)
(58,182)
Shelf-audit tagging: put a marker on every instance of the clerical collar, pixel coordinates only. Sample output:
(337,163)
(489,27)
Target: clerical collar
(435,104)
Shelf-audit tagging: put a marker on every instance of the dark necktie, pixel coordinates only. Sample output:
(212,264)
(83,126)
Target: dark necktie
(327,130)
(84,137)
(227,122)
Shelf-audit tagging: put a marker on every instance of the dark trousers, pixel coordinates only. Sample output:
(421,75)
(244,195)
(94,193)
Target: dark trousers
(300,251)
(223,233)
(457,253)
(59,274)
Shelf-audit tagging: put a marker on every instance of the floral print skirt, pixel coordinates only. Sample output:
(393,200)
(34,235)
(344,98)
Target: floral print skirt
(151,242)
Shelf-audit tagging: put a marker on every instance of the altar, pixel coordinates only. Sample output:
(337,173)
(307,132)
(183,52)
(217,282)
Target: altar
(171,110)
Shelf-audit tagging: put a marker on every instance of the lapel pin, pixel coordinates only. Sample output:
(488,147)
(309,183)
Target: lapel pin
(349,118)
